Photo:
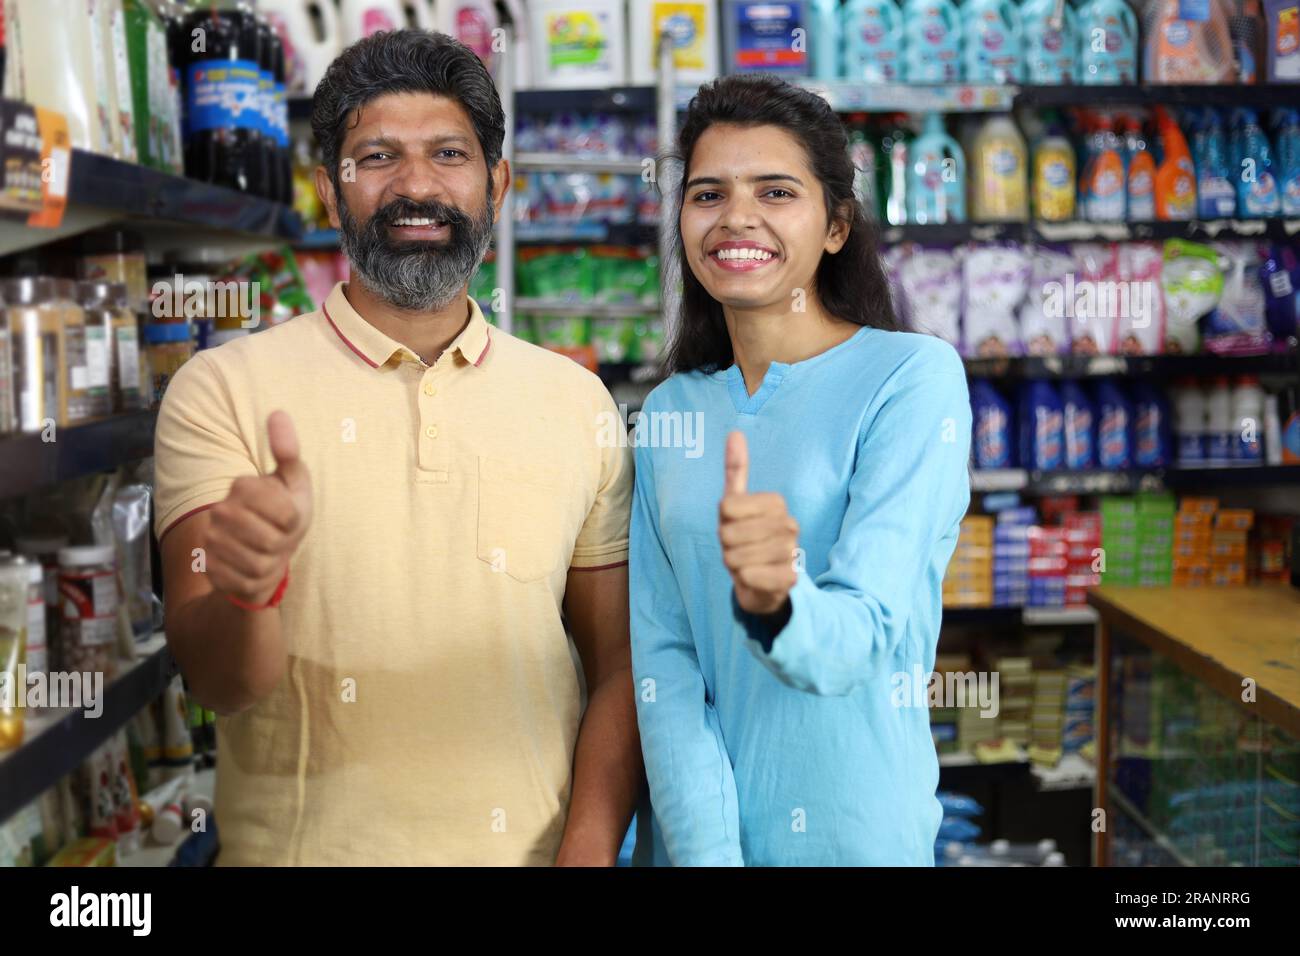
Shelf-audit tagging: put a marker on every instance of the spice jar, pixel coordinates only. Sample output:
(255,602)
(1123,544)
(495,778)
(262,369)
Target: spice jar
(13,653)
(44,551)
(90,295)
(169,346)
(40,380)
(129,362)
(117,255)
(85,368)
(88,609)
(8,375)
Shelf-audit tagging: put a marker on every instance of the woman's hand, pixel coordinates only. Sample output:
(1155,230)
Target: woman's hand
(759,537)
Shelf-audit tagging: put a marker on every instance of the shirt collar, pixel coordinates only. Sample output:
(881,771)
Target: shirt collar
(375,348)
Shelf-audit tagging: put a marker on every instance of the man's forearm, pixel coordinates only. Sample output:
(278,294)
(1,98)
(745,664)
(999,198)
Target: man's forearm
(230,657)
(607,775)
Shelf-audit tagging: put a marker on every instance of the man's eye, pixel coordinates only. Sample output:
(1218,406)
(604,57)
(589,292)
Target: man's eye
(376,156)
(451,153)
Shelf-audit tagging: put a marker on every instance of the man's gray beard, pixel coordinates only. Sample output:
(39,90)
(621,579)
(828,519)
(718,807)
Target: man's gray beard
(418,280)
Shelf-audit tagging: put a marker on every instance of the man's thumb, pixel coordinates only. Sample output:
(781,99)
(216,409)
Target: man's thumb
(737,464)
(284,447)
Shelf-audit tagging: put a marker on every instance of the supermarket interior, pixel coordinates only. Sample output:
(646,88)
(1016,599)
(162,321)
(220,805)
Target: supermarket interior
(1095,202)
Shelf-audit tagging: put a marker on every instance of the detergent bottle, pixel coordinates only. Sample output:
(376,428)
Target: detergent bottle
(864,152)
(1140,172)
(693,26)
(1187,41)
(1252,162)
(895,151)
(823,40)
(1054,180)
(936,176)
(1215,196)
(999,187)
(1051,39)
(1175,175)
(992,41)
(872,34)
(761,37)
(1108,34)
(1288,161)
(932,42)
(308,51)
(1103,178)
(578,44)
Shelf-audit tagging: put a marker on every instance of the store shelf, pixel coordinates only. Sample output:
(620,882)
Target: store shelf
(1073,772)
(1000,618)
(852,96)
(102,190)
(28,463)
(1259,95)
(1059,616)
(1276,229)
(1122,803)
(1244,476)
(1131,366)
(567,163)
(617,99)
(57,741)
(153,855)
(599,310)
(614,234)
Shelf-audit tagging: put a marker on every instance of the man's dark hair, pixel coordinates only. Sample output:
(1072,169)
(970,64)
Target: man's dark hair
(405,61)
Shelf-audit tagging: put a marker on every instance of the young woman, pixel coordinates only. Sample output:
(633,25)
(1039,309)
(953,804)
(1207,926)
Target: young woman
(786,571)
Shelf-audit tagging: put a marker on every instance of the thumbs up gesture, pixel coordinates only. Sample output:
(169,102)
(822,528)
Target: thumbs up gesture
(759,537)
(254,532)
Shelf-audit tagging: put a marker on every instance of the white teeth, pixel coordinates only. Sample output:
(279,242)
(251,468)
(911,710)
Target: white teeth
(416,222)
(759,254)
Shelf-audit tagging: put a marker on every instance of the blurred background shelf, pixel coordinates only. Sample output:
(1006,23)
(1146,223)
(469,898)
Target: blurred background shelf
(28,463)
(58,740)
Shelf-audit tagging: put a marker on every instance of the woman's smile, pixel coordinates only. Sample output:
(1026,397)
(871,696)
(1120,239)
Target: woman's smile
(741,256)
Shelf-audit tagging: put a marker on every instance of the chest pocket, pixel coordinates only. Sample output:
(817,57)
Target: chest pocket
(523,518)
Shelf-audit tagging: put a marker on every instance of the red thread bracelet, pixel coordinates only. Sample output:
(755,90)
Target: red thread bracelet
(275,597)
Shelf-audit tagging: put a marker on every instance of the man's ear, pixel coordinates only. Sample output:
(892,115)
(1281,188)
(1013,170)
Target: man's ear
(325,190)
(500,186)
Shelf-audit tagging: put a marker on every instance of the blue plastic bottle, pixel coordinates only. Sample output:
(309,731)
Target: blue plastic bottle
(1077,427)
(1288,161)
(936,176)
(824,40)
(1049,50)
(1215,197)
(761,37)
(1042,446)
(991,414)
(932,42)
(872,35)
(1152,427)
(993,42)
(1108,40)
(1257,194)
(1114,416)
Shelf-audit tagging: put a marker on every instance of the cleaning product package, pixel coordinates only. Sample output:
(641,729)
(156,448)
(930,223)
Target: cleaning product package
(1044,325)
(936,176)
(993,41)
(932,44)
(872,35)
(1237,326)
(1107,43)
(1050,29)
(1187,42)
(1193,282)
(994,280)
(930,280)
(1141,326)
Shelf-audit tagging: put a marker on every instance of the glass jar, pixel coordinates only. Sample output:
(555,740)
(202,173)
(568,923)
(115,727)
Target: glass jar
(13,653)
(169,346)
(44,551)
(132,368)
(8,374)
(85,364)
(40,379)
(117,255)
(99,345)
(88,610)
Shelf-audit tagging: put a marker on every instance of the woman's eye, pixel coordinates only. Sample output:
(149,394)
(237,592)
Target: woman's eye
(706,196)
(784,193)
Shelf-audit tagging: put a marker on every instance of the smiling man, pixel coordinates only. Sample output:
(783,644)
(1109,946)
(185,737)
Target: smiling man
(438,491)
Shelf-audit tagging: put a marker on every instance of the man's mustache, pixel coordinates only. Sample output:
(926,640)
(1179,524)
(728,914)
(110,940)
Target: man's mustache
(408,209)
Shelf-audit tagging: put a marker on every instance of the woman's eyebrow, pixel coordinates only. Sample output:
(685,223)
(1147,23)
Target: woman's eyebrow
(763,178)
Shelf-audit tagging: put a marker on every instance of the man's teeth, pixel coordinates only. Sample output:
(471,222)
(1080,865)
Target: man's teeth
(418,222)
(760,254)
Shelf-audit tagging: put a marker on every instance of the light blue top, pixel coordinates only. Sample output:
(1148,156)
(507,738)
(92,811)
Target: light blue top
(800,755)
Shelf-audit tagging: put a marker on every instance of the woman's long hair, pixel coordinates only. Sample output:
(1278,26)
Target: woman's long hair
(850,284)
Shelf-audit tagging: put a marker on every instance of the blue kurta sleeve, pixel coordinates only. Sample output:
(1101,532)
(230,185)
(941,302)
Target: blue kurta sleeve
(692,785)
(908,491)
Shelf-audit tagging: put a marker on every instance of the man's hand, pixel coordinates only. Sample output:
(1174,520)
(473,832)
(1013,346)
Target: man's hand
(254,532)
(759,537)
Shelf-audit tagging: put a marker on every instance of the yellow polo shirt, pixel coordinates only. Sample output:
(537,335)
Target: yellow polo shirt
(431,703)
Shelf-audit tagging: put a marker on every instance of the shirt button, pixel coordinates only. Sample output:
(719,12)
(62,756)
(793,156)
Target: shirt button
(432,431)
(429,390)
